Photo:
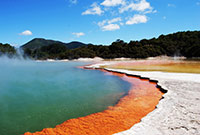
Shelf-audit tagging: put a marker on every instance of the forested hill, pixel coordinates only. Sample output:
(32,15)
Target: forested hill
(177,44)
(6,49)
(40,42)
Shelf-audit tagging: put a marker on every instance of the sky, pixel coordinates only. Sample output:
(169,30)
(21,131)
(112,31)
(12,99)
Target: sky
(95,21)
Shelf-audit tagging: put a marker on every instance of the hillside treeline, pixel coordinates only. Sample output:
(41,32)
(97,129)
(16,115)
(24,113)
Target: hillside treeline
(177,44)
(6,49)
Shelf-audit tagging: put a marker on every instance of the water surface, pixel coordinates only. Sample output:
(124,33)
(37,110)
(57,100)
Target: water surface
(37,95)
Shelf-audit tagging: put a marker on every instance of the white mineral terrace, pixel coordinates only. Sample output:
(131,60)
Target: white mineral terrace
(178,113)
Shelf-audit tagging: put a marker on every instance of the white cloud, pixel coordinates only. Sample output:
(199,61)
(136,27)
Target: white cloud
(125,7)
(136,19)
(107,25)
(73,1)
(102,23)
(118,19)
(78,34)
(121,23)
(26,33)
(150,11)
(154,11)
(141,6)
(114,20)
(110,3)
(171,5)
(110,27)
(94,10)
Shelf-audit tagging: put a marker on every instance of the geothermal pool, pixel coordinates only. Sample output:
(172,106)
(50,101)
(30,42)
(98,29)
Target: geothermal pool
(37,95)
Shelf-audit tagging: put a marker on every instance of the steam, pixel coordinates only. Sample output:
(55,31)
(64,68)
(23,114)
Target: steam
(178,55)
(19,55)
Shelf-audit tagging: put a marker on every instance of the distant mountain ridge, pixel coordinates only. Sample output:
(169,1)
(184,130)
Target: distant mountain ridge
(37,43)
(184,43)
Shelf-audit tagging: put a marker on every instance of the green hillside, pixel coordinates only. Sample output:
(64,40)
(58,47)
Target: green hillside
(185,44)
(6,49)
(40,42)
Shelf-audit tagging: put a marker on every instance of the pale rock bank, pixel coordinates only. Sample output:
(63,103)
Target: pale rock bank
(178,113)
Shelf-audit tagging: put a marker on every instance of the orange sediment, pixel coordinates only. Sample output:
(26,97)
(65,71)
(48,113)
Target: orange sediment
(141,99)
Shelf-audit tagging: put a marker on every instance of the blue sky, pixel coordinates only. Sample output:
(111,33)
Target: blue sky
(95,21)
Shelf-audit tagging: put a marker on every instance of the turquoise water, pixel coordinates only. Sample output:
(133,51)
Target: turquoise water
(37,95)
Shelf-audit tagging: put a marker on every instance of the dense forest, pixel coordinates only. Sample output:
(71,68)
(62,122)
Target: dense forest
(177,44)
(6,49)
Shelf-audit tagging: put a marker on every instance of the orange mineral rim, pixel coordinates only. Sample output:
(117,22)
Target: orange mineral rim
(141,99)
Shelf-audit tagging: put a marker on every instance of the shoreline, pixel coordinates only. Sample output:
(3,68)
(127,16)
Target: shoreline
(128,111)
(177,113)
